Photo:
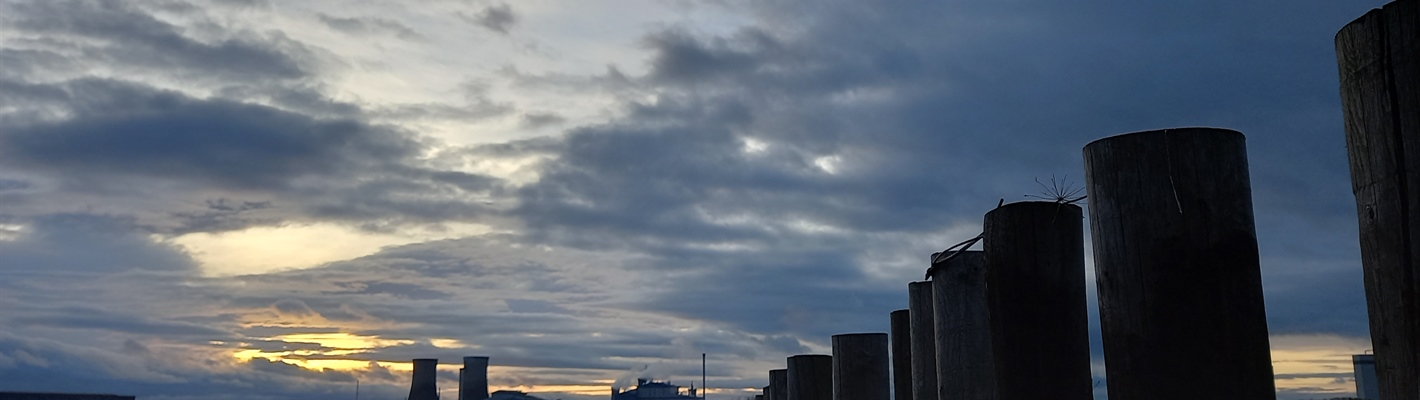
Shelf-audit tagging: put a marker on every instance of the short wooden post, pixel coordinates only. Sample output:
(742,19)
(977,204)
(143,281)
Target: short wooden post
(965,370)
(923,340)
(902,358)
(1379,61)
(1035,276)
(767,393)
(810,377)
(1176,264)
(779,384)
(860,366)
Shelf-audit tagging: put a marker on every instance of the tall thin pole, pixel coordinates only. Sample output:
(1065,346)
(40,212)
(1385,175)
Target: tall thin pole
(703,392)
(357,389)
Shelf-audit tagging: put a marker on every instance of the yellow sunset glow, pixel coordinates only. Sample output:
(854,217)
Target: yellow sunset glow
(268,249)
(1313,354)
(331,345)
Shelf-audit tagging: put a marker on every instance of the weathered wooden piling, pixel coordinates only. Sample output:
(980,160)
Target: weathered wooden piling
(1378,56)
(1176,264)
(810,377)
(923,341)
(779,384)
(902,357)
(860,366)
(1035,275)
(766,394)
(965,370)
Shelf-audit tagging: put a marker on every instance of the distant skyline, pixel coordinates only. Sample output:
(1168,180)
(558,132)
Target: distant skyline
(252,199)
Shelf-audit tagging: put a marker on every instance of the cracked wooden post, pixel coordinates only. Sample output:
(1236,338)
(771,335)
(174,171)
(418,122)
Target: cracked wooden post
(923,341)
(1035,280)
(1379,59)
(965,370)
(1176,264)
(860,366)
(810,377)
(902,357)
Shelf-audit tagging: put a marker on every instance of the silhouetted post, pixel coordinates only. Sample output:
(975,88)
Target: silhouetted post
(1176,263)
(810,377)
(924,342)
(1035,275)
(965,370)
(779,383)
(768,393)
(860,366)
(1379,59)
(901,329)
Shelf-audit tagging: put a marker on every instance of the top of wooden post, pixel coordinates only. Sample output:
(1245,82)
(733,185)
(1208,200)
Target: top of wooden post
(1190,130)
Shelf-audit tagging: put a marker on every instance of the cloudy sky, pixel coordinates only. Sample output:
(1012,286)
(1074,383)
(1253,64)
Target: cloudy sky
(253,199)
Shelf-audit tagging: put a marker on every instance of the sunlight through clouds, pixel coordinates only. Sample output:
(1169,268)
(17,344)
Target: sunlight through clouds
(268,249)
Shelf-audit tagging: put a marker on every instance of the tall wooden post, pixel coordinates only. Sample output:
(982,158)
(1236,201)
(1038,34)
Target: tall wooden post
(860,366)
(810,377)
(923,341)
(1379,61)
(965,370)
(1035,275)
(779,384)
(902,357)
(1176,263)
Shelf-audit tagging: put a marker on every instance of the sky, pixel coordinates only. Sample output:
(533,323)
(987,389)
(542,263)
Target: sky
(251,199)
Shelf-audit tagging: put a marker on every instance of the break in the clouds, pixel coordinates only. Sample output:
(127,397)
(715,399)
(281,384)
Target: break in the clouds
(278,199)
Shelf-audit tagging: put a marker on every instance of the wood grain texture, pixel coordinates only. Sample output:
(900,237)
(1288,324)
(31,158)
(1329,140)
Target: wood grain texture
(1377,59)
(860,366)
(923,341)
(1035,279)
(965,370)
(810,377)
(901,331)
(1176,264)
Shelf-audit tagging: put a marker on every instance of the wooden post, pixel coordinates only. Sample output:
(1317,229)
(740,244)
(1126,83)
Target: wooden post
(923,340)
(767,393)
(1379,61)
(860,366)
(902,357)
(965,370)
(1035,275)
(1176,263)
(779,384)
(810,377)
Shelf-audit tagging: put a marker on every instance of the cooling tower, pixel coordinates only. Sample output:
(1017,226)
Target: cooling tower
(424,386)
(473,383)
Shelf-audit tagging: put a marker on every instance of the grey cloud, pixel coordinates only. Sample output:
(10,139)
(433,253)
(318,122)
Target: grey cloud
(538,120)
(366,26)
(123,35)
(498,18)
(108,244)
(94,319)
(124,129)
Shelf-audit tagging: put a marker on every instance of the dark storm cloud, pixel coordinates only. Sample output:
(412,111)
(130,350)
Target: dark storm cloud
(120,34)
(127,129)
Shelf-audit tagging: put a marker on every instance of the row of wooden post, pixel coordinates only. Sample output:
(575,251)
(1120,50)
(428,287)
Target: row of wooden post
(1176,267)
(1179,284)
